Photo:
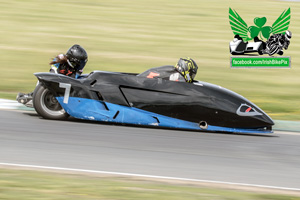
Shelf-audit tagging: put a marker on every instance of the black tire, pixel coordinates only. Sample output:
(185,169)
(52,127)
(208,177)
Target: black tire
(46,105)
(261,49)
(273,49)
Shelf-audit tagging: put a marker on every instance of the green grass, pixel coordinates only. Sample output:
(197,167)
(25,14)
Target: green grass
(30,185)
(134,35)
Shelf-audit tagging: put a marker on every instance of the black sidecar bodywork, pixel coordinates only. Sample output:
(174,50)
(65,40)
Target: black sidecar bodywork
(132,99)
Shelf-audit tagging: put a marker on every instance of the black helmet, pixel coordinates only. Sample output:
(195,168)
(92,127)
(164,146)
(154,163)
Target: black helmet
(77,57)
(187,67)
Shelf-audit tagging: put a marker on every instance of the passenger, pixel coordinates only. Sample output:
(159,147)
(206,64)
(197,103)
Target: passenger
(184,70)
(69,64)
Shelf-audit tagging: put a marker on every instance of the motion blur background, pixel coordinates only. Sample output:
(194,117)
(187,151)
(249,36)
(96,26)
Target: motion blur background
(134,35)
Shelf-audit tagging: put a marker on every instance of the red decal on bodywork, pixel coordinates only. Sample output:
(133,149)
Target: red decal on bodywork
(152,74)
(248,109)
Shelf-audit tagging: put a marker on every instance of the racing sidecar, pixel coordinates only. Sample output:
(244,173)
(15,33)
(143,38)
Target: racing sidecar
(238,47)
(133,99)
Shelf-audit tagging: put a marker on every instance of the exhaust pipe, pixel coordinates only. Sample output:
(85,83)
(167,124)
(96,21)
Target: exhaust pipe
(203,124)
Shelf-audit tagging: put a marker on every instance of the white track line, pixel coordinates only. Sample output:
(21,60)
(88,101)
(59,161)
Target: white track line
(9,104)
(146,176)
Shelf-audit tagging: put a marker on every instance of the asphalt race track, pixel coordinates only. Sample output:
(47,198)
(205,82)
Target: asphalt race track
(272,160)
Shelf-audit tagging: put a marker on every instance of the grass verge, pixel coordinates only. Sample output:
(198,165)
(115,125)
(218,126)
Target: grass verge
(30,185)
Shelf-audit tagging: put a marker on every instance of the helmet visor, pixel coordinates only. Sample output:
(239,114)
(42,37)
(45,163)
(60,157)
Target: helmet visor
(77,64)
(81,65)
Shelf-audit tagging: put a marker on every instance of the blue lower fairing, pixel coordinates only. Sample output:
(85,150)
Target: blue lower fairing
(96,110)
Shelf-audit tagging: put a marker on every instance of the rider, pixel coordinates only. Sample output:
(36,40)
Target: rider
(69,64)
(283,39)
(184,70)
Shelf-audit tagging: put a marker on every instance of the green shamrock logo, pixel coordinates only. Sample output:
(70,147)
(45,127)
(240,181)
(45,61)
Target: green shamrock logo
(240,27)
(260,30)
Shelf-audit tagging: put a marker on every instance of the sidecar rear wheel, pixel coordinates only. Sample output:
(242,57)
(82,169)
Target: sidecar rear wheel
(46,105)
